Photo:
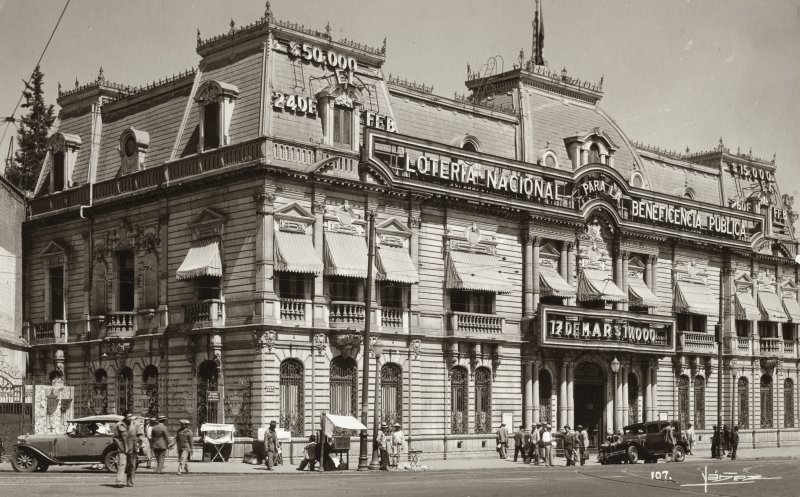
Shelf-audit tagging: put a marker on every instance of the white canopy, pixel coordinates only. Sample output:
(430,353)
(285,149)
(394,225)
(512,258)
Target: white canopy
(343,422)
(218,433)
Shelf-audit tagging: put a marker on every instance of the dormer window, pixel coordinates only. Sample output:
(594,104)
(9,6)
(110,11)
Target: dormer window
(594,154)
(342,126)
(592,147)
(471,144)
(64,152)
(133,145)
(338,104)
(216,101)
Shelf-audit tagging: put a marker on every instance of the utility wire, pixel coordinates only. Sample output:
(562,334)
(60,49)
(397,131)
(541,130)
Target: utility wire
(11,116)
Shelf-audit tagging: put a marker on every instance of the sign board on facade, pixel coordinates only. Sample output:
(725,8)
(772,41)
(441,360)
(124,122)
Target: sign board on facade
(575,328)
(508,419)
(212,396)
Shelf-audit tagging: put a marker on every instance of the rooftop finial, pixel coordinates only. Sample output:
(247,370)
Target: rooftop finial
(600,86)
(198,36)
(328,30)
(76,83)
(538,37)
(721,145)
(383,47)
(101,78)
(268,11)
(233,26)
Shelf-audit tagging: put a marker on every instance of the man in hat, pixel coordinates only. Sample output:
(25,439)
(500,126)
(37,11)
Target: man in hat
(128,440)
(536,443)
(547,443)
(519,442)
(184,441)
(271,444)
(382,442)
(502,440)
(160,443)
(569,445)
(583,444)
(398,440)
(148,437)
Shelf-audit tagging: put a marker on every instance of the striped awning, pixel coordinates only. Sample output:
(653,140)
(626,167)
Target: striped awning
(771,307)
(746,308)
(479,272)
(553,285)
(395,264)
(792,308)
(695,298)
(595,284)
(345,255)
(294,253)
(203,259)
(640,294)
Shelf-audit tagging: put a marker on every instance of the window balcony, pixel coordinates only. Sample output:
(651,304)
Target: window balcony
(789,349)
(295,312)
(696,342)
(394,319)
(744,345)
(345,314)
(121,324)
(208,313)
(470,323)
(49,332)
(771,346)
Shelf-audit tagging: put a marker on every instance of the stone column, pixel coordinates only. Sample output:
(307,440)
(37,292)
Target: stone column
(530,268)
(571,268)
(648,393)
(618,257)
(571,395)
(624,287)
(528,414)
(535,392)
(265,291)
(562,395)
(654,389)
(652,277)
(319,301)
(563,261)
(618,400)
(414,224)
(535,273)
(625,407)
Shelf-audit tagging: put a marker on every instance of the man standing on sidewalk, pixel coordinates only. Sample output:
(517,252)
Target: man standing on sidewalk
(715,442)
(184,441)
(127,439)
(669,440)
(160,443)
(690,438)
(583,444)
(519,442)
(502,440)
(271,444)
(734,441)
(536,437)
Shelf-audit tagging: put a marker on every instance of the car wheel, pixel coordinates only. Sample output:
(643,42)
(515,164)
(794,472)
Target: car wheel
(42,467)
(679,454)
(633,454)
(110,461)
(24,462)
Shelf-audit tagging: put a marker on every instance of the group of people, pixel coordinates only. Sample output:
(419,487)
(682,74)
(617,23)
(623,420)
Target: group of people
(130,437)
(539,442)
(388,444)
(723,441)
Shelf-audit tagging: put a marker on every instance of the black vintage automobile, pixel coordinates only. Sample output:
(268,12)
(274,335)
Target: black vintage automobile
(641,441)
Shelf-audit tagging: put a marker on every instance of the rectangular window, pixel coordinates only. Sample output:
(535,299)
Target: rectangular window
(692,322)
(789,330)
(56,275)
(767,329)
(208,287)
(392,294)
(211,126)
(58,172)
(126,287)
(476,302)
(459,301)
(292,286)
(742,328)
(346,289)
(342,126)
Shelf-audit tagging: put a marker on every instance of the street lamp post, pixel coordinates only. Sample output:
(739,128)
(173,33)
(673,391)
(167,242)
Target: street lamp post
(362,453)
(617,407)
(377,349)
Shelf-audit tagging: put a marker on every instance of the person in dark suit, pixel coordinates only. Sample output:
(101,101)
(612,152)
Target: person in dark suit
(725,442)
(734,441)
(715,442)
(160,436)
(271,444)
(519,442)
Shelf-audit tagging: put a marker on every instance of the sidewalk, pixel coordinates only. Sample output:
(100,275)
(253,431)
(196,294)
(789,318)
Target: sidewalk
(429,464)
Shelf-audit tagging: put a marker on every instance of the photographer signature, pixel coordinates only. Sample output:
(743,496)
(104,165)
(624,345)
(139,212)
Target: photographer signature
(728,478)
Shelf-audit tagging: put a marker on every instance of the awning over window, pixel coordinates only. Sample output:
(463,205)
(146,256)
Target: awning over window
(771,307)
(595,284)
(294,253)
(553,285)
(479,272)
(792,308)
(695,298)
(394,264)
(202,260)
(345,255)
(640,294)
(746,308)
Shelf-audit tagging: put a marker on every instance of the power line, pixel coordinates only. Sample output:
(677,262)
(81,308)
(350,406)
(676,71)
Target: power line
(47,45)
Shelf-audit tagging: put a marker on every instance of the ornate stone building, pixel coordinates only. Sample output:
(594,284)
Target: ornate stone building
(199,247)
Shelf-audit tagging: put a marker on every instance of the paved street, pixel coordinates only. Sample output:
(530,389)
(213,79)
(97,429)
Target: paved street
(764,478)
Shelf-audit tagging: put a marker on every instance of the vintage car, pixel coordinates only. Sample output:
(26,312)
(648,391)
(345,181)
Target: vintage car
(87,440)
(641,441)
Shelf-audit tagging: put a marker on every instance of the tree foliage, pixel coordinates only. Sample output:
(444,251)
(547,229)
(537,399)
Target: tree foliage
(32,135)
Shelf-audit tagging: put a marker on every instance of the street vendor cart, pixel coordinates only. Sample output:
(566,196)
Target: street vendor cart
(338,446)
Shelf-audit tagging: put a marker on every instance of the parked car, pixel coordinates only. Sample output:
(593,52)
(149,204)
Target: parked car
(641,441)
(87,440)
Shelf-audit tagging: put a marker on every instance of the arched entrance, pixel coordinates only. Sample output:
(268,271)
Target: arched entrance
(590,400)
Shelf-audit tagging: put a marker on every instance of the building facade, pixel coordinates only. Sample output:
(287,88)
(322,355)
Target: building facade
(199,248)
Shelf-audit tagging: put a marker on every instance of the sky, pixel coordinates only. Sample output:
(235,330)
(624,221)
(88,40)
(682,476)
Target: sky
(676,74)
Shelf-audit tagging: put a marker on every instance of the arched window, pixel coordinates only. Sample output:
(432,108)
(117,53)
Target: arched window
(459,400)
(594,154)
(99,289)
(699,403)
(483,400)
(742,399)
(766,401)
(788,403)
(469,146)
(683,401)
(292,396)
(344,386)
(150,387)
(124,390)
(98,404)
(633,398)
(207,381)
(391,394)
(545,397)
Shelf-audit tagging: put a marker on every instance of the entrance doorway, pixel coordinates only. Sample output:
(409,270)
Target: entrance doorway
(590,400)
